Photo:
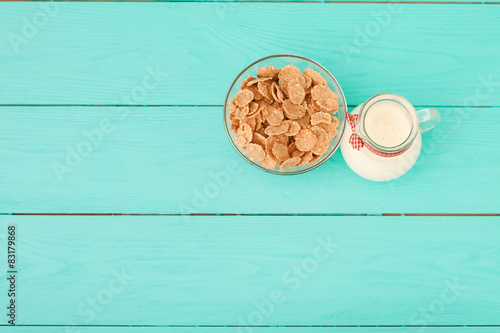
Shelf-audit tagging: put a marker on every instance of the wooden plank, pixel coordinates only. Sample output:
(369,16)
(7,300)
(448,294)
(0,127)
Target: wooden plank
(178,160)
(100,53)
(160,270)
(107,329)
(298,1)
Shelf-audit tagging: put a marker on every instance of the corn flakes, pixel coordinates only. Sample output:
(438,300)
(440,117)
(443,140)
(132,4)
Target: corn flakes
(283,118)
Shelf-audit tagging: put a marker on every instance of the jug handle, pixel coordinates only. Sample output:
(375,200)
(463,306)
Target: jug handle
(428,118)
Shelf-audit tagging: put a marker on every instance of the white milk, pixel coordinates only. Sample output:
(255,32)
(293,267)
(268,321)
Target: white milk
(388,124)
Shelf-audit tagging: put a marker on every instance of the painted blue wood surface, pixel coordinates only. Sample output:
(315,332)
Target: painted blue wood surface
(164,270)
(99,53)
(295,1)
(65,329)
(194,270)
(178,160)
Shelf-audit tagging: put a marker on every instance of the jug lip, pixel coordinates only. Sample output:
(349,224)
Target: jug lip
(361,131)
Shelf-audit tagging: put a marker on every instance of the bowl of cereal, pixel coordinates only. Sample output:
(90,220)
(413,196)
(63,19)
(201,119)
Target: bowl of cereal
(284,114)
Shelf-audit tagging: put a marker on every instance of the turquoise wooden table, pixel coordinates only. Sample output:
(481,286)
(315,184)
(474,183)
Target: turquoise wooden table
(124,208)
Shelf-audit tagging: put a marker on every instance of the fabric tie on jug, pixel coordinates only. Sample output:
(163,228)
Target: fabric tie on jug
(357,143)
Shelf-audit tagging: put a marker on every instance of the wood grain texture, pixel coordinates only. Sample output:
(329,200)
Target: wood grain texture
(214,270)
(53,329)
(293,1)
(99,53)
(178,160)
(64,329)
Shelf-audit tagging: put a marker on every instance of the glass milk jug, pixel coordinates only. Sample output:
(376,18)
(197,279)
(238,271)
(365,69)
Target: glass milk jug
(382,139)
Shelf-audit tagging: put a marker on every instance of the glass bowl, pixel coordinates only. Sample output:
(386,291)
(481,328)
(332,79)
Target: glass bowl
(280,61)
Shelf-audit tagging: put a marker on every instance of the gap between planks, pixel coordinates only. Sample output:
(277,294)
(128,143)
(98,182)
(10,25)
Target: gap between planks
(207,105)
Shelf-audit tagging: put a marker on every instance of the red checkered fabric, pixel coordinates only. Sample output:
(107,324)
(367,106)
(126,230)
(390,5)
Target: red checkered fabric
(354,140)
(357,143)
(384,154)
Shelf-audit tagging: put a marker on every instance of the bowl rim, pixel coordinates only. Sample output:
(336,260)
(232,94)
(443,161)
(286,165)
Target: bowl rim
(275,172)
